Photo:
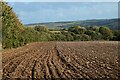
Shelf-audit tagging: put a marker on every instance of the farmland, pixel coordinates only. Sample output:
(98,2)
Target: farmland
(68,60)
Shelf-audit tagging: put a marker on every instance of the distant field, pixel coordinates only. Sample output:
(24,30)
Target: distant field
(69,60)
(55,31)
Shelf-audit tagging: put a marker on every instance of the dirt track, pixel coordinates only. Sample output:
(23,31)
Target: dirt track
(52,60)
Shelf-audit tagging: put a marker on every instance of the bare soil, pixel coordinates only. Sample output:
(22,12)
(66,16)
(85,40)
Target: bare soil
(62,60)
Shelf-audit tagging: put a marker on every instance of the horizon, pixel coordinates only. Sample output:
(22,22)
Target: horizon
(70,21)
(45,12)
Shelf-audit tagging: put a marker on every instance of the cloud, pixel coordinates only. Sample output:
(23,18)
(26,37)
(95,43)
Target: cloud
(47,12)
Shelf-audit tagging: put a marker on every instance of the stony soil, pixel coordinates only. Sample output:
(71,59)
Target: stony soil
(62,60)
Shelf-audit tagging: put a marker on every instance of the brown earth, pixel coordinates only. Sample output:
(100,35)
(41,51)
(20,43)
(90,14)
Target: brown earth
(66,60)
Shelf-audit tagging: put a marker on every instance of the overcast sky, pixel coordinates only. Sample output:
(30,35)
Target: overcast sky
(35,12)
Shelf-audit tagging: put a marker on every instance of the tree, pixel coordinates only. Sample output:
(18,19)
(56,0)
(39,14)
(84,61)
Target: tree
(94,34)
(41,28)
(68,35)
(116,35)
(94,28)
(106,32)
(77,30)
(11,27)
(77,37)
(85,37)
(60,37)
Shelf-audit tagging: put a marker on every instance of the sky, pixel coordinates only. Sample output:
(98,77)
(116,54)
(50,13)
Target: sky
(39,12)
(61,0)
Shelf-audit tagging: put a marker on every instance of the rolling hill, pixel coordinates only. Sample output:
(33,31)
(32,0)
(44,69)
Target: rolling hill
(111,23)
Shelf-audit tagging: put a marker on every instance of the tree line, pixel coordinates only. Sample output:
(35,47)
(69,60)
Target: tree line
(14,34)
(77,33)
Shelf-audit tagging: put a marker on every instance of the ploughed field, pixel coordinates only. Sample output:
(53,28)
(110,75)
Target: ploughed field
(53,60)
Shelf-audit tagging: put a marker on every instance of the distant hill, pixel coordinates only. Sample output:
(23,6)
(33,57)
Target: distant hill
(111,23)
